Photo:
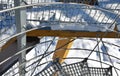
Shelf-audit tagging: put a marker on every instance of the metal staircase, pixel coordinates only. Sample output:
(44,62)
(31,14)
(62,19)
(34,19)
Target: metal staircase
(24,23)
(74,69)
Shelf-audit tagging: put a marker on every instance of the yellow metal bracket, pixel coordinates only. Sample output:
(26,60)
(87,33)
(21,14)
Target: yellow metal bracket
(62,51)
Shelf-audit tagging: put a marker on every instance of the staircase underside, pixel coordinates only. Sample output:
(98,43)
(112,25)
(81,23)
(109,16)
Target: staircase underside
(74,69)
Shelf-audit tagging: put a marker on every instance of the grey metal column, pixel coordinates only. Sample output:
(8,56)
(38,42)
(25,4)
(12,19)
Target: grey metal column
(20,15)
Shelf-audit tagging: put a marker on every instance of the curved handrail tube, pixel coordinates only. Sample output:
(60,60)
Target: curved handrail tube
(48,53)
(47,3)
(56,39)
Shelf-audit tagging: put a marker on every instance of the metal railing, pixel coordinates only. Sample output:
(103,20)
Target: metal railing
(42,13)
(59,13)
(70,68)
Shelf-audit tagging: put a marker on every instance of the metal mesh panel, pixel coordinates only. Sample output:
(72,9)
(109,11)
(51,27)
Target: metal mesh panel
(75,69)
(100,71)
(47,72)
(82,69)
(50,70)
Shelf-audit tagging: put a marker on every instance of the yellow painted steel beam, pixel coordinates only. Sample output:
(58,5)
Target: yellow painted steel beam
(60,52)
(8,43)
(62,33)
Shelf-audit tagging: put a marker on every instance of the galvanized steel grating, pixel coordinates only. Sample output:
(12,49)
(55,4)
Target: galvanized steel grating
(74,69)
(100,71)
